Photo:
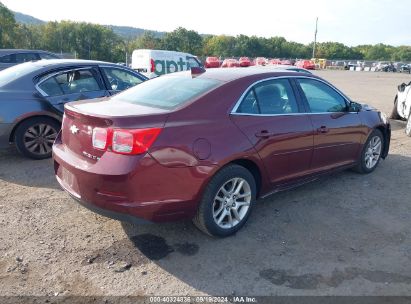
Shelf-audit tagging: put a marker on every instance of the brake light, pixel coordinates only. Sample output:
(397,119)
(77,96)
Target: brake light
(125,141)
(153,66)
(100,138)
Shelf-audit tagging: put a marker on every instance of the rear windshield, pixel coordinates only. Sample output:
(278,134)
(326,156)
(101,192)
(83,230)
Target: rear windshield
(167,92)
(11,74)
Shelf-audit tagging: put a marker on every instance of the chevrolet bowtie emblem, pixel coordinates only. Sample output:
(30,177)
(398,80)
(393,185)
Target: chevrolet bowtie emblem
(74,129)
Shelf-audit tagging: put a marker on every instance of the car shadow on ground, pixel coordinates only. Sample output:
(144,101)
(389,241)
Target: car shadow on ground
(397,124)
(17,169)
(309,240)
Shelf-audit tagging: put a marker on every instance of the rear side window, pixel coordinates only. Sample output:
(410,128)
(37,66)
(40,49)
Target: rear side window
(270,98)
(322,98)
(70,82)
(167,92)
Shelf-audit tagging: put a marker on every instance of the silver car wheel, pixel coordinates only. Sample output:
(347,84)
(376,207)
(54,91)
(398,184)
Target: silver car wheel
(39,138)
(231,203)
(373,152)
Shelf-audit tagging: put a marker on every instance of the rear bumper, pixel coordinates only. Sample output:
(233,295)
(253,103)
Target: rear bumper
(129,188)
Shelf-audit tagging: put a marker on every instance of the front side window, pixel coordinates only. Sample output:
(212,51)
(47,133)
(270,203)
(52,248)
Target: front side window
(167,92)
(270,98)
(70,82)
(120,79)
(322,98)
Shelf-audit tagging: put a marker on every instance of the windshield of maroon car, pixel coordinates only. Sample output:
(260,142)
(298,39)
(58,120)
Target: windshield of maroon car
(167,92)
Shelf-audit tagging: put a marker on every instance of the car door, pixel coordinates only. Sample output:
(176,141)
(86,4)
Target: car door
(71,85)
(337,139)
(271,117)
(118,79)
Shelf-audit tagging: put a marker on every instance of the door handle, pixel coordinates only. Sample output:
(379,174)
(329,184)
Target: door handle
(264,134)
(323,129)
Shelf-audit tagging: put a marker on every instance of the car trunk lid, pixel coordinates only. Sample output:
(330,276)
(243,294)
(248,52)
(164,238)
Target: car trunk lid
(80,118)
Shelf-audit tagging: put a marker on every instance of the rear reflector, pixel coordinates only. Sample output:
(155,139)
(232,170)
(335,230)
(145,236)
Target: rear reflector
(100,138)
(125,141)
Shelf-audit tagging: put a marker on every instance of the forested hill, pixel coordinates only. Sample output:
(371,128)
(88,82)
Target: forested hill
(127,32)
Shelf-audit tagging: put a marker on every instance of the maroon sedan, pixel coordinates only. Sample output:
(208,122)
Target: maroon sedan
(206,145)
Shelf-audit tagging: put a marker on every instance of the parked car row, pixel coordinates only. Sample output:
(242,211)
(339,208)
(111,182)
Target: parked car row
(215,62)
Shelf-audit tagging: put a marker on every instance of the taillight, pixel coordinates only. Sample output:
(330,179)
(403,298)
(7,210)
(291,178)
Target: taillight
(153,66)
(125,141)
(100,138)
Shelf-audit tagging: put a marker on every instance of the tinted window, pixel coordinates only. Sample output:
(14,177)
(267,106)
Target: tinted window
(25,57)
(167,92)
(74,81)
(321,97)
(249,104)
(120,79)
(270,97)
(7,59)
(192,62)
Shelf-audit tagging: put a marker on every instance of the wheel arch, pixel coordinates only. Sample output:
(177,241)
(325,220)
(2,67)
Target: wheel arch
(19,122)
(386,132)
(253,168)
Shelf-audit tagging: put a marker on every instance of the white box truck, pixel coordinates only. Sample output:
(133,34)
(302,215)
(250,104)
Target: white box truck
(153,63)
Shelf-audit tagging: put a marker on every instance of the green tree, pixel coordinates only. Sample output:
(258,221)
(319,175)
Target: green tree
(7,27)
(184,41)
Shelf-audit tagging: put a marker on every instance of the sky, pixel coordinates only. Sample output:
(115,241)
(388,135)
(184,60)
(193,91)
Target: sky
(352,22)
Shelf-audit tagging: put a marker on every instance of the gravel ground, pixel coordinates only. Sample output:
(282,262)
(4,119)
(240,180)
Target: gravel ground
(346,234)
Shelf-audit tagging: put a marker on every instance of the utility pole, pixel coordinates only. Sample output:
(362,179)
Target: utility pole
(315,37)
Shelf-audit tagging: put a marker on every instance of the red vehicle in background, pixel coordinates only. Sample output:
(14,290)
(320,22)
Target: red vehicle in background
(274,61)
(286,62)
(260,61)
(212,62)
(305,64)
(230,63)
(244,62)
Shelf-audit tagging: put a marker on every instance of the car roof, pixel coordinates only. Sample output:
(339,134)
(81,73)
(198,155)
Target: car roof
(230,74)
(4,52)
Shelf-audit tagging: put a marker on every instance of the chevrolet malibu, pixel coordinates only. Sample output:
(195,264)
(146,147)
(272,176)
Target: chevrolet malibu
(206,145)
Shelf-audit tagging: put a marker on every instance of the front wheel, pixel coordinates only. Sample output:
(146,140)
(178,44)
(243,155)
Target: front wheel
(371,153)
(226,202)
(408,126)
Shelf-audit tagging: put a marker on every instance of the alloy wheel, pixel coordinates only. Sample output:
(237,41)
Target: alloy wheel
(39,138)
(231,203)
(373,152)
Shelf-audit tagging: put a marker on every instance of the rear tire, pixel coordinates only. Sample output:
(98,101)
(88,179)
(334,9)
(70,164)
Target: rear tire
(394,112)
(227,201)
(34,137)
(371,153)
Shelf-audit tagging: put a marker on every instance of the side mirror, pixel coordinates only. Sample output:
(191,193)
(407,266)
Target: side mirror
(355,107)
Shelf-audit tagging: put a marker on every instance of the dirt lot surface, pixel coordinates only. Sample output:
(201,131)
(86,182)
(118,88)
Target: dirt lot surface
(347,234)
